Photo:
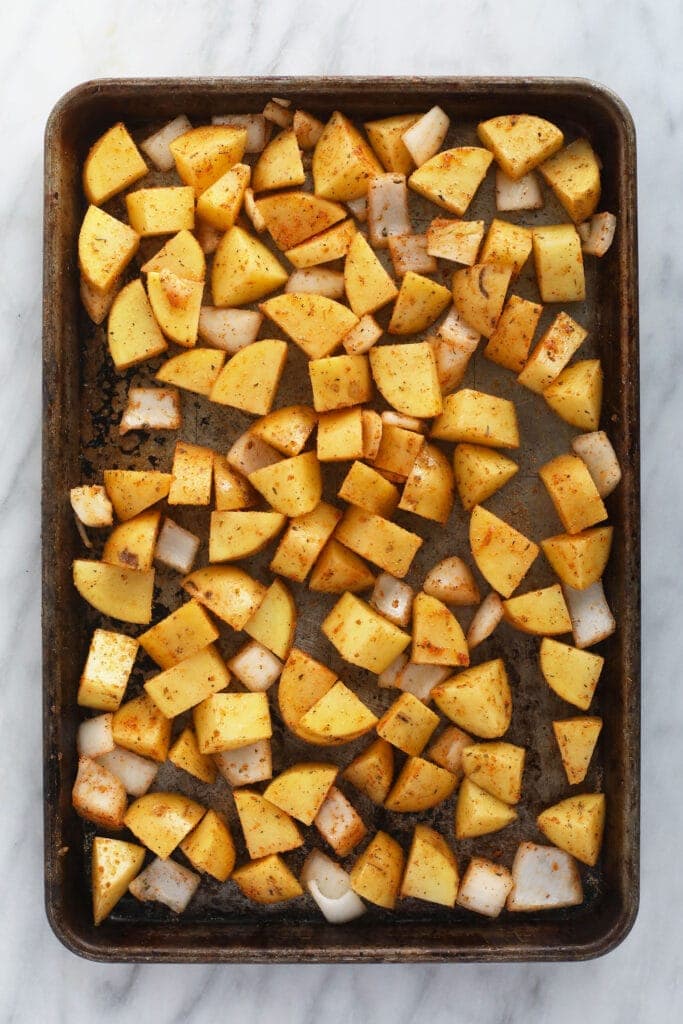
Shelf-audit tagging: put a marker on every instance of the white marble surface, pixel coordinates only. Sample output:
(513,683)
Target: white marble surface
(634,47)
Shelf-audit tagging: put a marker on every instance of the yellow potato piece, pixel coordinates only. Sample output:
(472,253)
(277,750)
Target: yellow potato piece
(131,491)
(182,254)
(337,570)
(132,543)
(540,612)
(371,772)
(107,670)
(376,875)
(301,789)
(329,245)
(105,248)
(420,786)
(451,178)
(455,240)
(420,301)
(478,813)
(574,176)
(366,488)
(406,376)
(431,872)
(279,165)
(303,541)
(210,848)
(133,335)
(138,725)
(477,700)
(338,382)
(267,880)
(228,592)
(315,323)
(438,638)
(203,155)
(236,535)
(191,681)
(304,681)
(559,263)
(367,285)
(428,491)
(221,203)
(244,270)
(161,211)
(340,435)
(343,163)
(510,342)
(362,636)
(293,217)
(386,139)
(114,590)
(408,724)
(273,623)
(573,493)
(184,754)
(520,142)
(249,381)
(479,418)
(579,559)
(196,370)
(576,739)
(339,716)
(503,555)
(291,486)
(379,540)
(553,352)
(479,294)
(114,866)
(192,475)
(287,429)
(506,245)
(569,672)
(266,828)
(576,394)
(232,490)
(175,302)
(576,825)
(228,721)
(496,768)
(162,820)
(480,472)
(113,163)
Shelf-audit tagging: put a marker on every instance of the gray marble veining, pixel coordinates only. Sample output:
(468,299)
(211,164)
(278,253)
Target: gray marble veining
(632,46)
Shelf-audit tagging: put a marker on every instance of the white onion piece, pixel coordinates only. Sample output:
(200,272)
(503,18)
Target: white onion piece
(258,129)
(307,129)
(451,581)
(207,235)
(97,304)
(409,252)
(523,194)
(151,409)
(277,113)
(317,281)
(330,887)
(420,680)
(387,208)
(597,234)
(592,620)
(362,336)
(98,795)
(359,208)
(544,877)
(424,138)
(250,453)
(393,599)
(164,881)
(338,911)
(229,329)
(339,823)
(91,505)
(388,677)
(252,211)
(246,765)
(281,102)
(597,452)
(95,736)
(484,887)
(399,419)
(447,748)
(176,547)
(256,667)
(372,433)
(156,146)
(487,617)
(136,773)
(453,345)
(83,534)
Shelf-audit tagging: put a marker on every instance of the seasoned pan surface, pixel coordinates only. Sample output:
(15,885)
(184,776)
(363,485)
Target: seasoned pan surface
(84,398)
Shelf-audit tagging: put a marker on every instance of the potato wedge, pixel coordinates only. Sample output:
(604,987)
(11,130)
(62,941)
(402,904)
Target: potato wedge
(407,724)
(113,163)
(377,873)
(210,847)
(574,176)
(579,559)
(438,638)
(451,178)
(509,344)
(182,255)
(267,880)
(478,813)
(105,248)
(279,165)
(571,673)
(338,569)
(480,472)
(576,394)
(385,138)
(301,789)
(244,270)
(520,142)
(303,542)
(203,155)
(291,486)
(329,245)
(371,772)
(273,623)
(367,489)
(160,211)
(478,700)
(228,721)
(361,636)
(420,301)
(133,335)
(219,205)
(196,370)
(576,738)
(114,866)
(184,754)
(573,493)
(249,381)
(576,825)
(559,263)
(343,163)
(540,612)
(293,217)
(315,323)
(553,352)
(304,681)
(398,450)
(266,828)
(478,418)
(428,491)
(287,429)
(368,286)
(406,376)
(162,820)
(431,871)
(339,382)
(228,592)
(420,786)
(115,590)
(502,554)
(479,294)
(338,717)
(496,768)
(132,542)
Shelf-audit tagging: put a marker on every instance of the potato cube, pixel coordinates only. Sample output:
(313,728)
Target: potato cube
(520,142)
(420,301)
(227,721)
(507,245)
(361,636)
(105,248)
(510,342)
(204,154)
(303,541)
(339,716)
(329,245)
(367,489)
(192,474)
(571,673)
(112,164)
(340,436)
(301,789)
(161,211)
(180,635)
(579,559)
(302,683)
(576,825)
(114,865)
(162,820)
(503,555)
(574,176)
(420,786)
(186,684)
(406,376)
(132,491)
(267,880)
(338,570)
(372,770)
(431,872)
(385,139)
(379,540)
(553,352)
(133,335)
(398,450)
(273,623)
(438,638)
(479,294)
(343,162)
(573,493)
(478,418)
(451,177)
(428,491)
(576,394)
(376,875)
(407,724)
(496,768)
(368,286)
(210,847)
(279,165)
(478,700)
(115,590)
(266,828)
(293,217)
(232,491)
(220,204)
(315,323)
(559,263)
(291,486)
(478,813)
(455,240)
(540,612)
(182,255)
(480,472)
(107,670)
(340,381)
(139,725)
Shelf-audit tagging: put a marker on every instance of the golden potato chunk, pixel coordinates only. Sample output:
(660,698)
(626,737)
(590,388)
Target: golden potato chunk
(228,721)
(338,570)
(279,165)
(332,244)
(388,545)
(303,541)
(431,872)
(339,716)
(451,177)
(477,700)
(540,612)
(420,301)
(176,303)
(362,636)
(162,820)
(510,342)
(408,724)
(343,162)
(203,155)
(133,335)
(576,394)
(385,138)
(502,554)
(478,418)
(249,381)
(520,142)
(574,176)
(559,263)
(221,203)
(273,623)
(304,681)
(293,217)
(406,376)
(267,829)
(506,245)
(115,590)
(114,866)
(579,559)
(184,754)
(576,825)
(480,472)
(479,294)
(420,786)
(478,813)
(571,673)
(182,254)
(210,847)
(573,493)
(138,725)
(107,670)
(438,638)
(244,270)
(376,875)
(113,163)
(428,491)
(338,382)
(105,248)
(287,429)
(372,770)
(368,286)
(228,592)
(132,543)
(291,486)
(267,880)
(161,211)
(576,739)
(196,370)
(301,789)
(191,681)
(553,352)
(496,768)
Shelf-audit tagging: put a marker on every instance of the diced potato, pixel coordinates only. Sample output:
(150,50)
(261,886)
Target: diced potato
(573,493)
(114,865)
(273,623)
(479,294)
(115,590)
(431,871)
(576,738)
(372,770)
(543,878)
(385,138)
(522,194)
(186,684)
(133,335)
(428,491)
(229,329)
(576,825)
(203,155)
(138,725)
(540,612)
(576,394)
(484,887)
(574,176)
(420,301)
(161,211)
(448,748)
(553,352)
(451,178)
(368,286)
(478,418)
(340,435)
(227,721)
(398,450)
(376,875)
(339,823)
(267,880)
(506,245)
(340,381)
(98,795)
(559,263)
(502,554)
(372,433)
(329,245)
(249,381)
(597,452)
(520,142)
(313,322)
(105,248)
(407,724)
(365,488)
(162,820)
(362,337)
(579,559)
(210,847)
(228,592)
(480,472)
(379,540)
(452,582)
(387,209)
(438,638)
(185,754)
(91,505)
(420,786)
(496,768)
(302,683)
(196,370)
(292,486)
(175,303)
(247,765)
(232,491)
(339,716)
(478,700)
(266,828)
(343,163)
(219,205)
(286,429)
(301,789)
(244,270)
(393,599)
(409,252)
(478,813)
(487,618)
(303,541)
(592,620)
(112,164)
(107,670)
(510,342)
(180,635)
(192,475)
(571,673)
(361,636)
(279,165)
(338,570)
(132,542)
(455,240)
(406,376)
(182,255)
(293,217)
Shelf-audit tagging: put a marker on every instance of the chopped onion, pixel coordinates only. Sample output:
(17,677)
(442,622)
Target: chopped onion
(399,419)
(256,667)
(387,208)
(281,102)
(424,138)
(486,618)
(91,505)
(420,680)
(252,211)
(317,281)
(446,750)
(339,823)
(393,599)
(246,765)
(229,329)
(98,795)
(484,887)
(97,304)
(95,736)
(409,252)
(362,336)
(451,581)
(207,235)
(388,677)
(592,620)
(157,146)
(258,129)
(453,345)
(330,887)
(307,129)
(176,547)
(250,453)
(83,534)
(165,881)
(372,433)
(523,194)
(277,113)
(136,773)
(597,452)
(151,409)
(597,234)
(544,877)
(359,208)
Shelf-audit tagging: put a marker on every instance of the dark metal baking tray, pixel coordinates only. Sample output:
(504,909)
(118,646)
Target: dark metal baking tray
(82,405)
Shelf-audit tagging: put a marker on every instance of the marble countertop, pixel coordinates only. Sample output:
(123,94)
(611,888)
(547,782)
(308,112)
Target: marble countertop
(631,45)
